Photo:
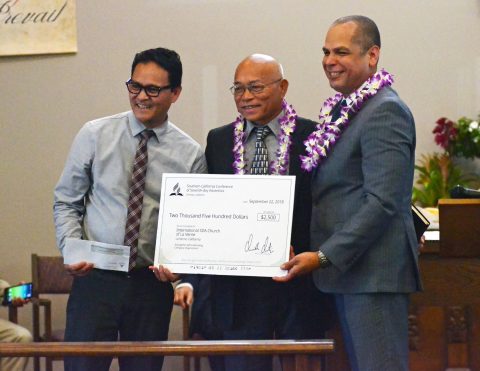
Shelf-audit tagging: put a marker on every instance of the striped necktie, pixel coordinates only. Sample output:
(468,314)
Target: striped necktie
(260,159)
(337,109)
(135,200)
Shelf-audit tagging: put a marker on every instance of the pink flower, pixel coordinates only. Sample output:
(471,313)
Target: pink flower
(445,132)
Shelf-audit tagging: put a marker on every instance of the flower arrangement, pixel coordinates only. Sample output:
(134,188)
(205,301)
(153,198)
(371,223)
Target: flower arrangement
(437,173)
(461,138)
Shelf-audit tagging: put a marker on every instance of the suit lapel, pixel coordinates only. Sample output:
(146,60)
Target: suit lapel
(297,148)
(229,146)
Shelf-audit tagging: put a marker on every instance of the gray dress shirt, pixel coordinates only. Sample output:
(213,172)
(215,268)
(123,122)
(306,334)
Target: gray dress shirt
(92,194)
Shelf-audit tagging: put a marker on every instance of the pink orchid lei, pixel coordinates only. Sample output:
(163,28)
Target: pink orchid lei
(328,133)
(287,127)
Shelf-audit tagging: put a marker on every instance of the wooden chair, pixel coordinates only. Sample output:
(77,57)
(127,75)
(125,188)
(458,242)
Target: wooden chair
(48,277)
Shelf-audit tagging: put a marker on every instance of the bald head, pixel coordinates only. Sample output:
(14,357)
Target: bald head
(260,88)
(268,62)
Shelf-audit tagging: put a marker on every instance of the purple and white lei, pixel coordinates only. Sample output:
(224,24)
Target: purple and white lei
(322,140)
(287,127)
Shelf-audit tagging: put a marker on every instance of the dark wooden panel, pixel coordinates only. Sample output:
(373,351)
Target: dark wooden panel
(460,230)
(429,354)
(448,281)
(474,337)
(457,336)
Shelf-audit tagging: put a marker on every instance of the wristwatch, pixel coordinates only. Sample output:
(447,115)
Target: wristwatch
(323,260)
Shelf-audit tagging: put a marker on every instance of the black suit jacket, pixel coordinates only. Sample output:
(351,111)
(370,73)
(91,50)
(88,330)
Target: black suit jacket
(219,309)
(220,159)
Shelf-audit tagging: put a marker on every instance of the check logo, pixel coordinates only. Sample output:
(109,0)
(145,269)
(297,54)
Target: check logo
(176,191)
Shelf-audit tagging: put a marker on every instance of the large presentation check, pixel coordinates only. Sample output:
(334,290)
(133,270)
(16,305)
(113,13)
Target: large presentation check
(225,224)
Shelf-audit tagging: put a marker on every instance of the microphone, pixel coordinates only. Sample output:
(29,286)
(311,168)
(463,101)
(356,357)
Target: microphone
(462,192)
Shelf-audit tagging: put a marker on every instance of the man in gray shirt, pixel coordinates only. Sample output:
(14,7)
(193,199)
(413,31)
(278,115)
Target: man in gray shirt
(93,201)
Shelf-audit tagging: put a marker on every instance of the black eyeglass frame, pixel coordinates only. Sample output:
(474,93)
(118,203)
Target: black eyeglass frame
(157,89)
(249,87)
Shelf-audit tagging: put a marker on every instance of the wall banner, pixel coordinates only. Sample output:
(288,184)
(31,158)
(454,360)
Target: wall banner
(37,27)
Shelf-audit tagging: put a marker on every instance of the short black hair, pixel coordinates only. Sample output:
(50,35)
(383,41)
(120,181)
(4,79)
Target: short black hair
(168,59)
(367,34)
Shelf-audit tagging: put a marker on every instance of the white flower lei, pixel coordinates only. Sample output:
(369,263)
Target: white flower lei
(328,133)
(287,126)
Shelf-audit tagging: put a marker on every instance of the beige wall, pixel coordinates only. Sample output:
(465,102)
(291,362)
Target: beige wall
(432,48)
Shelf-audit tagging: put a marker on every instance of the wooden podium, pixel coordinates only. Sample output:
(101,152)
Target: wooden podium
(444,320)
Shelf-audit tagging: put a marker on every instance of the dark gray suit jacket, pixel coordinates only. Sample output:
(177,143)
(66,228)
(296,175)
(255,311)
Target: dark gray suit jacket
(361,218)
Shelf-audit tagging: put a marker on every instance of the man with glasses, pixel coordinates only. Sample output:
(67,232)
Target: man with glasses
(258,307)
(109,192)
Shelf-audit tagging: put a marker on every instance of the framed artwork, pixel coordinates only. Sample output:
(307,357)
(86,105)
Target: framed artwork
(37,27)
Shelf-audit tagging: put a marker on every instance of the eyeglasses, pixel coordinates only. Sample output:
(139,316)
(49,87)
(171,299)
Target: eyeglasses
(254,88)
(151,90)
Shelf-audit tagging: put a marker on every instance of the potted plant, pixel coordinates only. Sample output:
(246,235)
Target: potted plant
(438,173)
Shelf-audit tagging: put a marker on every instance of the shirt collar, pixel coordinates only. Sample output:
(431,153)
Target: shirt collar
(137,127)
(273,125)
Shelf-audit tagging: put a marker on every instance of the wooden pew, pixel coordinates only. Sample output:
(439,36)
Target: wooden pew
(304,355)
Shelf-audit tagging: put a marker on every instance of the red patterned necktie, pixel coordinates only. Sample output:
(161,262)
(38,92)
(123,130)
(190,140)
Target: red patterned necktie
(135,200)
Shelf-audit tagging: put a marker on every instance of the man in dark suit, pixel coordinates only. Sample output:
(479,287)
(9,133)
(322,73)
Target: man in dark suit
(254,307)
(362,234)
